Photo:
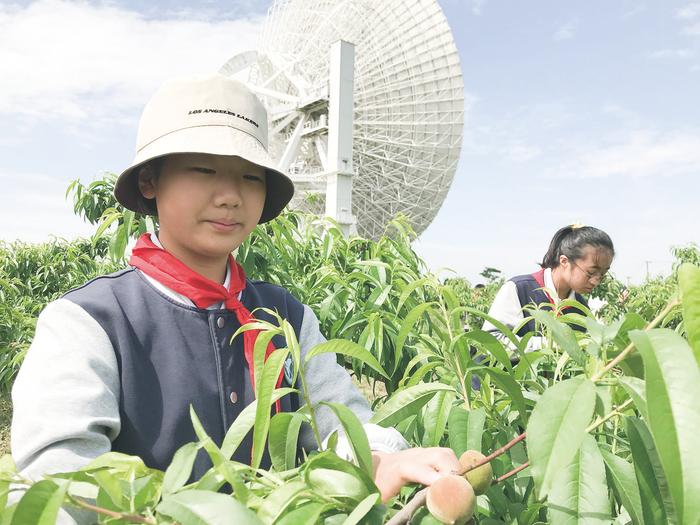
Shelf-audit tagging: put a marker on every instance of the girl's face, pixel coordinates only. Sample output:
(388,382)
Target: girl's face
(207,204)
(586,272)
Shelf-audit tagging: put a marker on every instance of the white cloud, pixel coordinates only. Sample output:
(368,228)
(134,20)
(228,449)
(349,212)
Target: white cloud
(679,54)
(634,11)
(71,59)
(34,204)
(515,136)
(566,31)
(478,6)
(692,29)
(523,152)
(689,11)
(642,153)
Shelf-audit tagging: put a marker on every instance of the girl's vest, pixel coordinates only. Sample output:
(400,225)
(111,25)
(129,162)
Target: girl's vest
(530,291)
(171,356)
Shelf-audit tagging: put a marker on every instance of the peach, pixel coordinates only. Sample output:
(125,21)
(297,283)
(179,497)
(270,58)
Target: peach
(479,478)
(451,500)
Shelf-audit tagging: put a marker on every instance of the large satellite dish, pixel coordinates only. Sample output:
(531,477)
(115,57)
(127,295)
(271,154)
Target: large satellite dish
(406,104)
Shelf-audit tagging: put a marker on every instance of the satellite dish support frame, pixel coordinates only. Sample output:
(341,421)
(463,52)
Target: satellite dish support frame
(340,136)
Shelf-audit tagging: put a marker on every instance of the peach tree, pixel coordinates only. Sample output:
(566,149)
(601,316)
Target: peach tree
(593,428)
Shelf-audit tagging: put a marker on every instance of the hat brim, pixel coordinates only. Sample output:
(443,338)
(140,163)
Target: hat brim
(214,140)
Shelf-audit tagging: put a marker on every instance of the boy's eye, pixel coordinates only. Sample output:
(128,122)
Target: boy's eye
(201,169)
(249,176)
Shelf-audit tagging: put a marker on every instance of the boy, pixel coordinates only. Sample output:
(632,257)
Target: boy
(115,364)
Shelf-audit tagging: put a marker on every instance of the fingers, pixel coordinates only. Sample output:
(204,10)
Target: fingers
(415,465)
(429,464)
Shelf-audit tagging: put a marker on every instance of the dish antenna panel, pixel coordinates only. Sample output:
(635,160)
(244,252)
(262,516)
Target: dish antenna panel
(366,106)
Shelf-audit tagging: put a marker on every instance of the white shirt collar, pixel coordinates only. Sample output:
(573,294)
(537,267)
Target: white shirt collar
(549,285)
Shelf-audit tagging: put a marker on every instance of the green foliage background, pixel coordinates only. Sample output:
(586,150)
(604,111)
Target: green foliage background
(610,414)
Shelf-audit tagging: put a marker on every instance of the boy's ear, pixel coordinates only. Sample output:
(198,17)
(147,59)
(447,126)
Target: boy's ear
(147,182)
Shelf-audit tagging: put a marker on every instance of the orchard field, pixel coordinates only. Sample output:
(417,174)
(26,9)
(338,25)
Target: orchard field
(594,427)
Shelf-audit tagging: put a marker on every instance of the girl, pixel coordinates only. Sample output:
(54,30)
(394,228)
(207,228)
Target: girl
(576,262)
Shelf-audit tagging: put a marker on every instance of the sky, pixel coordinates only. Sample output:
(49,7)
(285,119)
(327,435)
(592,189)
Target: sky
(579,111)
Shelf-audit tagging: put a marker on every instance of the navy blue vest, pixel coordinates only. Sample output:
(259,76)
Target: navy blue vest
(530,292)
(172,355)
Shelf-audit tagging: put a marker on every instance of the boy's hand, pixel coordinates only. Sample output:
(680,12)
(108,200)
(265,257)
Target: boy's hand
(414,465)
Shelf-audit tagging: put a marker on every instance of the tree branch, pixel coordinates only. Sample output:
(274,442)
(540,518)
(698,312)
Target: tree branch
(630,348)
(404,515)
(494,454)
(112,514)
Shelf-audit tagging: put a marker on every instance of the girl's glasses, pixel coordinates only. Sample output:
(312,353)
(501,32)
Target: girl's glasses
(591,275)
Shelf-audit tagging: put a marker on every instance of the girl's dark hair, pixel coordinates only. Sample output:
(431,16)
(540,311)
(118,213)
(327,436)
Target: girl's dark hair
(571,241)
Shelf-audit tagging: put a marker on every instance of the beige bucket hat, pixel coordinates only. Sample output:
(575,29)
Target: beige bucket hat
(215,115)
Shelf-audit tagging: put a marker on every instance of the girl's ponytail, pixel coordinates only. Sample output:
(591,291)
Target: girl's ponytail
(551,258)
(571,240)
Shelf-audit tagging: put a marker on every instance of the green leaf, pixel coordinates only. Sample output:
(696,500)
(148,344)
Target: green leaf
(418,376)
(632,366)
(502,328)
(305,514)
(435,418)
(244,423)
(672,393)
(180,469)
(465,429)
(199,507)
(145,491)
(331,476)
(509,385)
(412,287)
(636,389)
(7,464)
(356,436)
(406,402)
(118,242)
(689,281)
(40,504)
(423,517)
(280,500)
(407,326)
(108,217)
(283,439)
(294,348)
(626,486)
(7,468)
(350,349)
(491,344)
(111,485)
(212,480)
(7,514)
(362,509)
(128,218)
(115,460)
(657,506)
(260,348)
(562,334)
(580,493)
(556,429)
(336,484)
(631,321)
(271,371)
(205,441)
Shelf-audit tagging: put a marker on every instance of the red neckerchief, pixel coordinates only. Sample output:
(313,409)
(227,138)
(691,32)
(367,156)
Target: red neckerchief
(165,268)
